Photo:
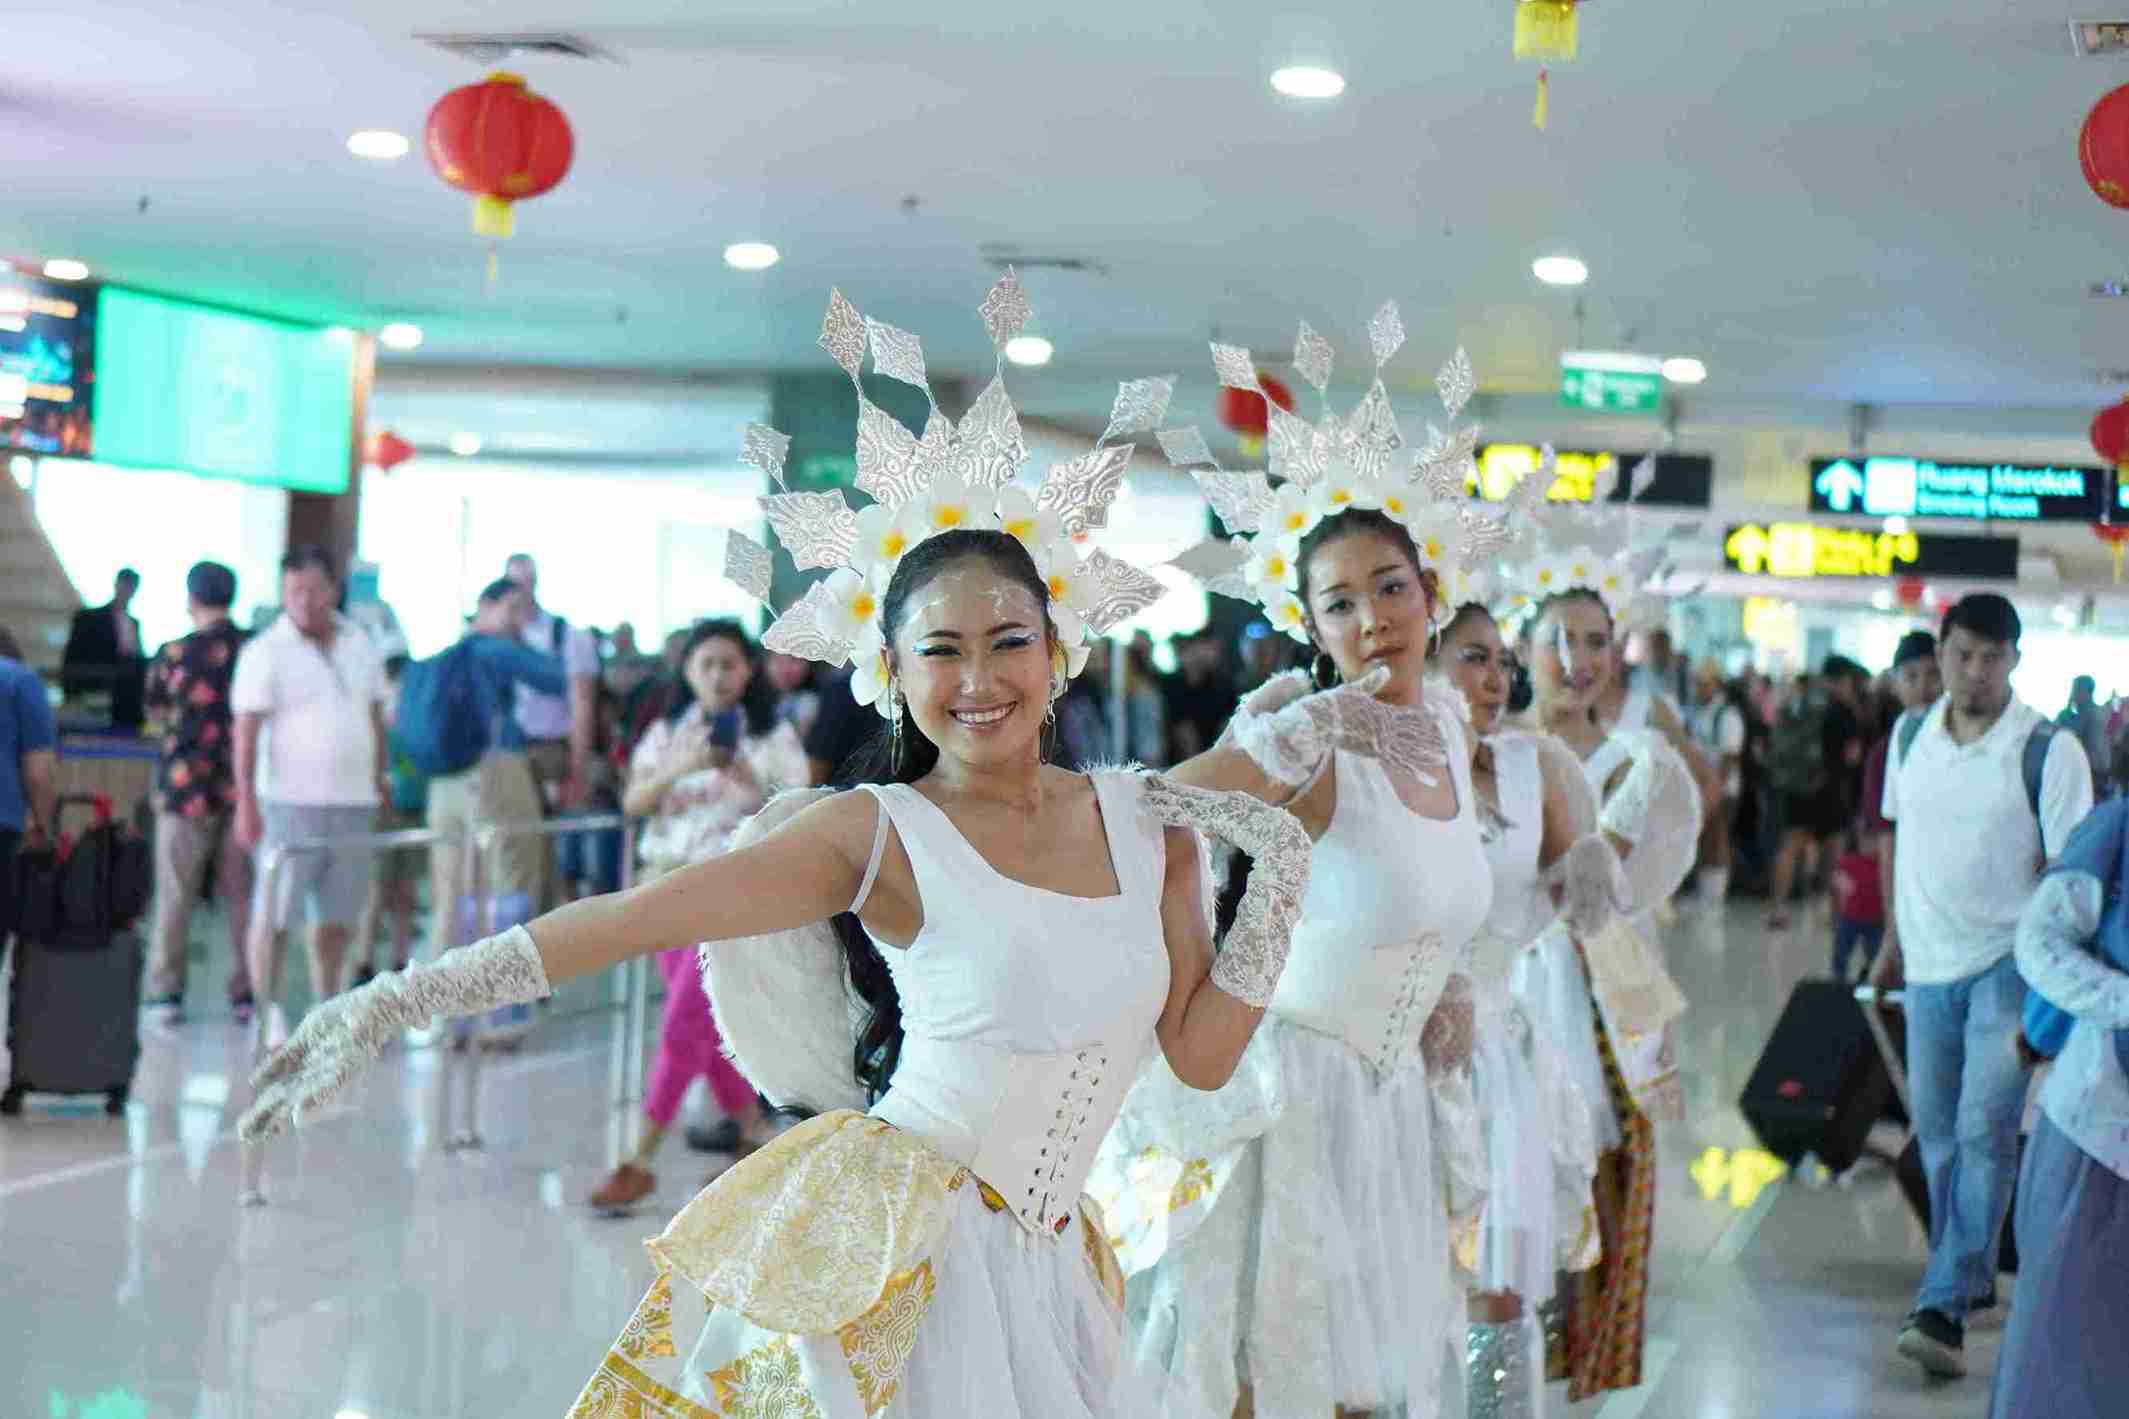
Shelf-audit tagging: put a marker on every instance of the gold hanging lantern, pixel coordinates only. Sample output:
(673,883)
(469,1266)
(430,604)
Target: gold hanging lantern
(1546,31)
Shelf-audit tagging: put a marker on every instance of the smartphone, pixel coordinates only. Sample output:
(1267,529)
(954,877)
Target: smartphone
(724,729)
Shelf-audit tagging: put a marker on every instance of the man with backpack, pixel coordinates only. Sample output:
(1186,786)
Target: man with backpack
(1813,749)
(456,724)
(1981,790)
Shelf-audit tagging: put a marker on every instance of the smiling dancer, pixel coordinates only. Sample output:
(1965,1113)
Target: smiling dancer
(1023,937)
(1288,1239)
(1547,855)
(1605,996)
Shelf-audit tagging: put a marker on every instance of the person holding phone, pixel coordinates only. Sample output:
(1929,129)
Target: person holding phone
(697,773)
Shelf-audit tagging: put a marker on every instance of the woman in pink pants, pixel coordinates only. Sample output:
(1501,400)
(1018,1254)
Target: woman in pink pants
(696,775)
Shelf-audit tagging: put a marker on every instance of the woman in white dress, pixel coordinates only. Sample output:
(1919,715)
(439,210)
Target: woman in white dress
(1020,940)
(1288,1239)
(1604,996)
(1540,829)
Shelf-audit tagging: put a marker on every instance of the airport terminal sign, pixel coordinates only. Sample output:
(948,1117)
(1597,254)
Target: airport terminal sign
(1980,492)
(1794,550)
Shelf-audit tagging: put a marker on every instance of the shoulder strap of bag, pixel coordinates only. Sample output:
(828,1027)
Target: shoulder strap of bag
(1905,731)
(2035,762)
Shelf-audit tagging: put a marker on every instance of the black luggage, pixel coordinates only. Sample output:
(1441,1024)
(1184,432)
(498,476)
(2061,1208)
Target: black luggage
(73,1006)
(73,1020)
(1820,1084)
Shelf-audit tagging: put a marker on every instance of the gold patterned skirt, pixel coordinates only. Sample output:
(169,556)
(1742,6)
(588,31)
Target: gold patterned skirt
(847,1271)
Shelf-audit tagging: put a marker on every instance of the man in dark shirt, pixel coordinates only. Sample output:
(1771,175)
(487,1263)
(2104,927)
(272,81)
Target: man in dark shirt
(187,691)
(103,653)
(1201,695)
(842,727)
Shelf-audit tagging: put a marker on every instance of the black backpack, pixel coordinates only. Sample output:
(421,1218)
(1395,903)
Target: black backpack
(1796,747)
(82,892)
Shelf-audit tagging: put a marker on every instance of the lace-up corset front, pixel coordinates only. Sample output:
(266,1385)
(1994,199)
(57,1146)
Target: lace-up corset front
(1027,1012)
(1393,901)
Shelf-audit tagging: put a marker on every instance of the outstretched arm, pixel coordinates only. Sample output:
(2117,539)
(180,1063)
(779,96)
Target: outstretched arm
(807,870)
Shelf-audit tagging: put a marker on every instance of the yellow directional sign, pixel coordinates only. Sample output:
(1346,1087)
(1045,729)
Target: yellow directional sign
(1804,549)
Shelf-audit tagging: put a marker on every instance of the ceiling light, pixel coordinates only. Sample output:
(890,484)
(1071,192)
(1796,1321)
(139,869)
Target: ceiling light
(465,445)
(1684,371)
(378,144)
(751,256)
(1882,598)
(63,270)
(1896,525)
(1028,350)
(399,336)
(1559,270)
(1307,81)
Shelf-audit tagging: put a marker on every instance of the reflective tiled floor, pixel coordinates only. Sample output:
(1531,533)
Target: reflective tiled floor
(391,1279)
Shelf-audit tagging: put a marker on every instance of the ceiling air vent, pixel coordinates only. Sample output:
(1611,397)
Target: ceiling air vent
(2091,38)
(1004,256)
(486,49)
(2116,377)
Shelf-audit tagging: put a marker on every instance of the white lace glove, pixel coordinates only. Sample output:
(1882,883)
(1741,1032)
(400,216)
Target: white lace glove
(1253,952)
(1593,885)
(338,1039)
(1288,733)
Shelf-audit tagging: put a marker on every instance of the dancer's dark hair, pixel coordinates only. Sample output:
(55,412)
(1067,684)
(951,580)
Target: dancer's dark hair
(879,1044)
(757,702)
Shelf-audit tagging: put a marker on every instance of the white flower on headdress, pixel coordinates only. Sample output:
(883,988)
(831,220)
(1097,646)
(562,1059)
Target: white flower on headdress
(869,675)
(853,608)
(1548,578)
(1038,529)
(1340,489)
(1466,585)
(1292,513)
(1270,569)
(1069,588)
(883,534)
(1401,499)
(1434,535)
(1580,567)
(1072,639)
(1612,585)
(950,505)
(1285,614)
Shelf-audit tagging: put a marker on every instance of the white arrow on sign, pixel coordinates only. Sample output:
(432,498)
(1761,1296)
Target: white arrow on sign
(1840,484)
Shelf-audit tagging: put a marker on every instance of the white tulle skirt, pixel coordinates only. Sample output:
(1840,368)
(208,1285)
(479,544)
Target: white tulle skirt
(1553,987)
(1017,1327)
(1307,1253)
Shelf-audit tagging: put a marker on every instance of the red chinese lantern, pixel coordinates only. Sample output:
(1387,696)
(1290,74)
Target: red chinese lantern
(2110,434)
(501,142)
(2115,535)
(1245,412)
(388,450)
(2103,148)
(1908,591)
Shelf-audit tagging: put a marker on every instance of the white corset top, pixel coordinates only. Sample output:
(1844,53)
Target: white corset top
(1393,901)
(1522,907)
(1026,1012)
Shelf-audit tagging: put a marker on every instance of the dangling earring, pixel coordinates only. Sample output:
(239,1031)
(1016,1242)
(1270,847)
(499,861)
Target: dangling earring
(1058,681)
(894,724)
(1323,671)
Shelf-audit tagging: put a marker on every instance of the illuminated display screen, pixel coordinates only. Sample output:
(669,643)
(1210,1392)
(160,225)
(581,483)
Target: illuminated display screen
(1925,487)
(221,394)
(1811,549)
(1681,479)
(47,364)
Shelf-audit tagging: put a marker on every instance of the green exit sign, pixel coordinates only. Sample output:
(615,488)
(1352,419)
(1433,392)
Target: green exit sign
(1614,383)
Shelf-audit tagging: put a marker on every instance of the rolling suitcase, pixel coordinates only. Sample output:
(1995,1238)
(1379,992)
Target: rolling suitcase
(73,1005)
(73,1020)
(1819,1084)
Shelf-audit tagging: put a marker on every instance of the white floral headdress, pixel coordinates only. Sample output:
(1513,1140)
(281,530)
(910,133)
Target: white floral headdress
(1573,546)
(1330,467)
(948,479)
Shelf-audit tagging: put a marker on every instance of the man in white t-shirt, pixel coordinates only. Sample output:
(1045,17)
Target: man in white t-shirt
(308,696)
(1970,837)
